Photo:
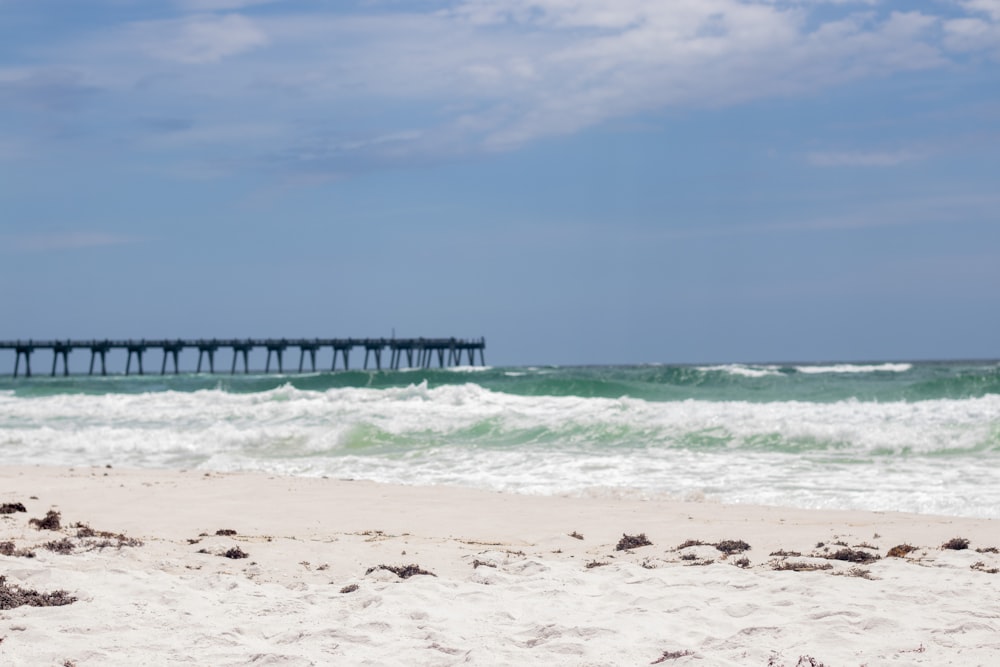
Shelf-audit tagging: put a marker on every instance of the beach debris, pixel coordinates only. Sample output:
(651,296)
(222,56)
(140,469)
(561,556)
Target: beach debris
(859,572)
(850,555)
(799,566)
(988,550)
(401,571)
(900,551)
(632,542)
(689,556)
(10,508)
(576,535)
(980,566)
(15,596)
(8,549)
(956,544)
(476,563)
(691,543)
(730,547)
(63,546)
(742,562)
(596,563)
(866,545)
(671,655)
(225,532)
(350,588)
(234,553)
(784,554)
(120,539)
(50,522)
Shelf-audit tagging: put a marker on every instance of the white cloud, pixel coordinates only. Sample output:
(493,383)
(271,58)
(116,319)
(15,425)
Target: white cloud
(861,158)
(199,39)
(215,5)
(478,75)
(988,7)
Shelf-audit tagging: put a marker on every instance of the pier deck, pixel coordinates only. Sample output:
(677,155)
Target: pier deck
(418,352)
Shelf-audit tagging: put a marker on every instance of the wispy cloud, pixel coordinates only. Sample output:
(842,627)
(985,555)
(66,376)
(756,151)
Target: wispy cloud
(199,39)
(441,79)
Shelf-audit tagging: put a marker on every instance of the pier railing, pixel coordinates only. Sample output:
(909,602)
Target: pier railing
(418,352)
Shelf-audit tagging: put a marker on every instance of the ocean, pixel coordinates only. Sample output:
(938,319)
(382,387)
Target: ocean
(915,437)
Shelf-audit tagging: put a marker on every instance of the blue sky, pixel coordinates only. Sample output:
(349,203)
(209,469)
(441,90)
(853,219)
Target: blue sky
(580,181)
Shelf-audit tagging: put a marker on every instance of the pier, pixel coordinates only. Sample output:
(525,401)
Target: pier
(418,352)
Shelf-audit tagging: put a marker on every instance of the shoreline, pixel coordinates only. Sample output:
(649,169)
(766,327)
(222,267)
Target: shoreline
(517,578)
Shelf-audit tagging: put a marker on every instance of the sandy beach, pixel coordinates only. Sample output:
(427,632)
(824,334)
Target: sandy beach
(172,567)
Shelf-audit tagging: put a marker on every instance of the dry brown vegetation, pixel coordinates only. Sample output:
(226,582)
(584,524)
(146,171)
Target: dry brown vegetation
(900,551)
(15,596)
(632,542)
(49,522)
(401,571)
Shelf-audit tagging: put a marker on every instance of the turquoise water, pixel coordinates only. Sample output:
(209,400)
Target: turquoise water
(921,437)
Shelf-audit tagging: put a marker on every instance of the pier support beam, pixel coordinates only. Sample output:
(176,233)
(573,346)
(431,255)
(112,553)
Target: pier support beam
(173,350)
(278,349)
(99,349)
(61,350)
(311,349)
(207,348)
(25,350)
(245,349)
(344,351)
(138,349)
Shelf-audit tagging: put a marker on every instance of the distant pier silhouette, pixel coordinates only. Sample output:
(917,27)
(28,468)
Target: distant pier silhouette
(418,352)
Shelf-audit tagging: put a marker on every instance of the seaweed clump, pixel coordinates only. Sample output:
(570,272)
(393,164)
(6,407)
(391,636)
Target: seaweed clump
(852,556)
(632,542)
(730,547)
(8,549)
(900,551)
(401,571)
(671,655)
(956,544)
(15,596)
(49,522)
(10,508)
(235,553)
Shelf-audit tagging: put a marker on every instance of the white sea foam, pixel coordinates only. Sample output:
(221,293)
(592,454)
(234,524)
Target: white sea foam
(930,456)
(856,368)
(745,371)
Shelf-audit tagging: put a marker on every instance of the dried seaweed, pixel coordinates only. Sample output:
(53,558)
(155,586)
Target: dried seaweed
(851,556)
(8,549)
(350,588)
(401,571)
(235,553)
(798,566)
(225,532)
(980,566)
(63,546)
(15,596)
(632,542)
(730,547)
(671,655)
(956,544)
(576,535)
(782,553)
(10,508)
(690,543)
(596,563)
(50,522)
(900,551)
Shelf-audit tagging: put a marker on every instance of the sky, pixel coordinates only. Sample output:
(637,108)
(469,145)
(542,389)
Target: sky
(578,181)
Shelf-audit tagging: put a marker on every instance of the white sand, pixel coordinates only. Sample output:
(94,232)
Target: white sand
(531,600)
